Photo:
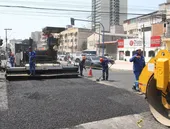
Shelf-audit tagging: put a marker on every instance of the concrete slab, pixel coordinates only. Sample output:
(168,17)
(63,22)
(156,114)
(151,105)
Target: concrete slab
(136,121)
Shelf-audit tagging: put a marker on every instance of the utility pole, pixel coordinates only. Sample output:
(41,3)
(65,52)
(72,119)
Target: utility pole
(6,39)
(143,40)
(99,41)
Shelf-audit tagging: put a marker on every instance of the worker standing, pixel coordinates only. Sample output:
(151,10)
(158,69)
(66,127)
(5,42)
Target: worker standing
(12,59)
(32,56)
(105,68)
(138,65)
(82,65)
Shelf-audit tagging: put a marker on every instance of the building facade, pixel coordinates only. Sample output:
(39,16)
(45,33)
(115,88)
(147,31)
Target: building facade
(74,39)
(109,13)
(110,43)
(149,29)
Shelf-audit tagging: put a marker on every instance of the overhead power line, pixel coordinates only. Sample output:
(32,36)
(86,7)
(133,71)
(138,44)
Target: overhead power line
(72,4)
(55,9)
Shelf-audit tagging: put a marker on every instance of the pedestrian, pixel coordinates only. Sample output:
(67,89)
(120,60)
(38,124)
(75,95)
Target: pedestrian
(138,65)
(32,56)
(82,65)
(105,68)
(12,59)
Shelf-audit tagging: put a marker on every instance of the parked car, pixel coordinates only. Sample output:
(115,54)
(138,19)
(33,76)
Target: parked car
(61,57)
(93,61)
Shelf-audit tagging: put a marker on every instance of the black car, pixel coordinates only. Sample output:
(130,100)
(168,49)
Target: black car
(93,61)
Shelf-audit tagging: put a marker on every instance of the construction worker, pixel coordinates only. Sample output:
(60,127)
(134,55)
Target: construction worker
(105,68)
(138,65)
(32,56)
(82,65)
(12,59)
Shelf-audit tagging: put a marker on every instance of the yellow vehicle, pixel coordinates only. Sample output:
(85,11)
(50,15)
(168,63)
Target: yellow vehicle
(154,81)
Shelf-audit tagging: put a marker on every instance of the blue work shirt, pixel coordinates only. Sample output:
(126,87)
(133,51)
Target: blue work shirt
(138,63)
(12,59)
(32,57)
(105,64)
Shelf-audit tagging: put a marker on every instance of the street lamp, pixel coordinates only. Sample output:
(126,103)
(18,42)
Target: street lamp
(72,23)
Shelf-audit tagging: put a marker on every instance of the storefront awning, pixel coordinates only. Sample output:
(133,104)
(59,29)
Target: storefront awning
(107,42)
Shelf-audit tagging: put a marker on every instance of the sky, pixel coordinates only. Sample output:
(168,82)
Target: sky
(24,21)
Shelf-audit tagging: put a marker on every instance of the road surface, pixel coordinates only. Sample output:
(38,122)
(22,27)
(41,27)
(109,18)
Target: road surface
(65,103)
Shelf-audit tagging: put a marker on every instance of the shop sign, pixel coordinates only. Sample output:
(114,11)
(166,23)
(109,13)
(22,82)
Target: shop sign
(155,41)
(120,43)
(132,43)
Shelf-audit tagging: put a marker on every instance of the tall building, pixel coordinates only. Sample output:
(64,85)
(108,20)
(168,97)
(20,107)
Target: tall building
(108,12)
(36,36)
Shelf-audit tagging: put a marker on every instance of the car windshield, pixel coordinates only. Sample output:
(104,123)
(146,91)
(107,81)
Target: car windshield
(95,58)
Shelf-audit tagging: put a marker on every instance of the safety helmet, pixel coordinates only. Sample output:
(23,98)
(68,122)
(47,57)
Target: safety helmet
(83,57)
(101,59)
(138,48)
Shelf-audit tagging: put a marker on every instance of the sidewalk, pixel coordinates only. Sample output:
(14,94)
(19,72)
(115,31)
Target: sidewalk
(122,65)
(119,65)
(3,93)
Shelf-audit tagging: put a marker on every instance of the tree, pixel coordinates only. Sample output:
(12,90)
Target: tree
(84,45)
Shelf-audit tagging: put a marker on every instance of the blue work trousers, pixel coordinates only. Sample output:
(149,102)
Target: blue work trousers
(32,68)
(105,73)
(12,64)
(137,74)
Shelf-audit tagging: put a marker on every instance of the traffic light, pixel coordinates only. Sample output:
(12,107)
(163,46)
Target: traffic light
(72,21)
(1,42)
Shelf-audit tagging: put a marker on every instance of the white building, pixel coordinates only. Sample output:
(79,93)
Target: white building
(108,12)
(148,29)
(12,43)
(110,43)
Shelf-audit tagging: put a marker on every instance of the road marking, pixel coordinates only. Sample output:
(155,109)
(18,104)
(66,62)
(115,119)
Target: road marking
(3,96)
(135,121)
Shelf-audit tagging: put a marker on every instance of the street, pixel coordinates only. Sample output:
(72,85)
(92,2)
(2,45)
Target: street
(65,103)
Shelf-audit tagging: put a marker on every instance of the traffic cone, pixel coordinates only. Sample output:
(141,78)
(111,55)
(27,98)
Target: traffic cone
(90,73)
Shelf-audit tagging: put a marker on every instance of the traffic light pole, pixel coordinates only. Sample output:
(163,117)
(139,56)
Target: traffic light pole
(72,22)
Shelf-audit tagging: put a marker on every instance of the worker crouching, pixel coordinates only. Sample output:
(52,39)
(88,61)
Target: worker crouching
(32,56)
(105,68)
(138,65)
(82,65)
(12,60)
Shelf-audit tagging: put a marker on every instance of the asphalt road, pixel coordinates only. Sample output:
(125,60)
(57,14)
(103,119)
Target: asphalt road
(61,103)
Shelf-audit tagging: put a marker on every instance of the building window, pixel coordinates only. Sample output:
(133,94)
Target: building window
(134,52)
(151,54)
(127,53)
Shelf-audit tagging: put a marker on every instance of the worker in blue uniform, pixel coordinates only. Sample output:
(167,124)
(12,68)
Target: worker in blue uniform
(32,56)
(82,65)
(105,68)
(138,65)
(12,59)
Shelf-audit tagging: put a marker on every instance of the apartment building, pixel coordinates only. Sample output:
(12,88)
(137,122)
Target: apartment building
(74,39)
(108,12)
